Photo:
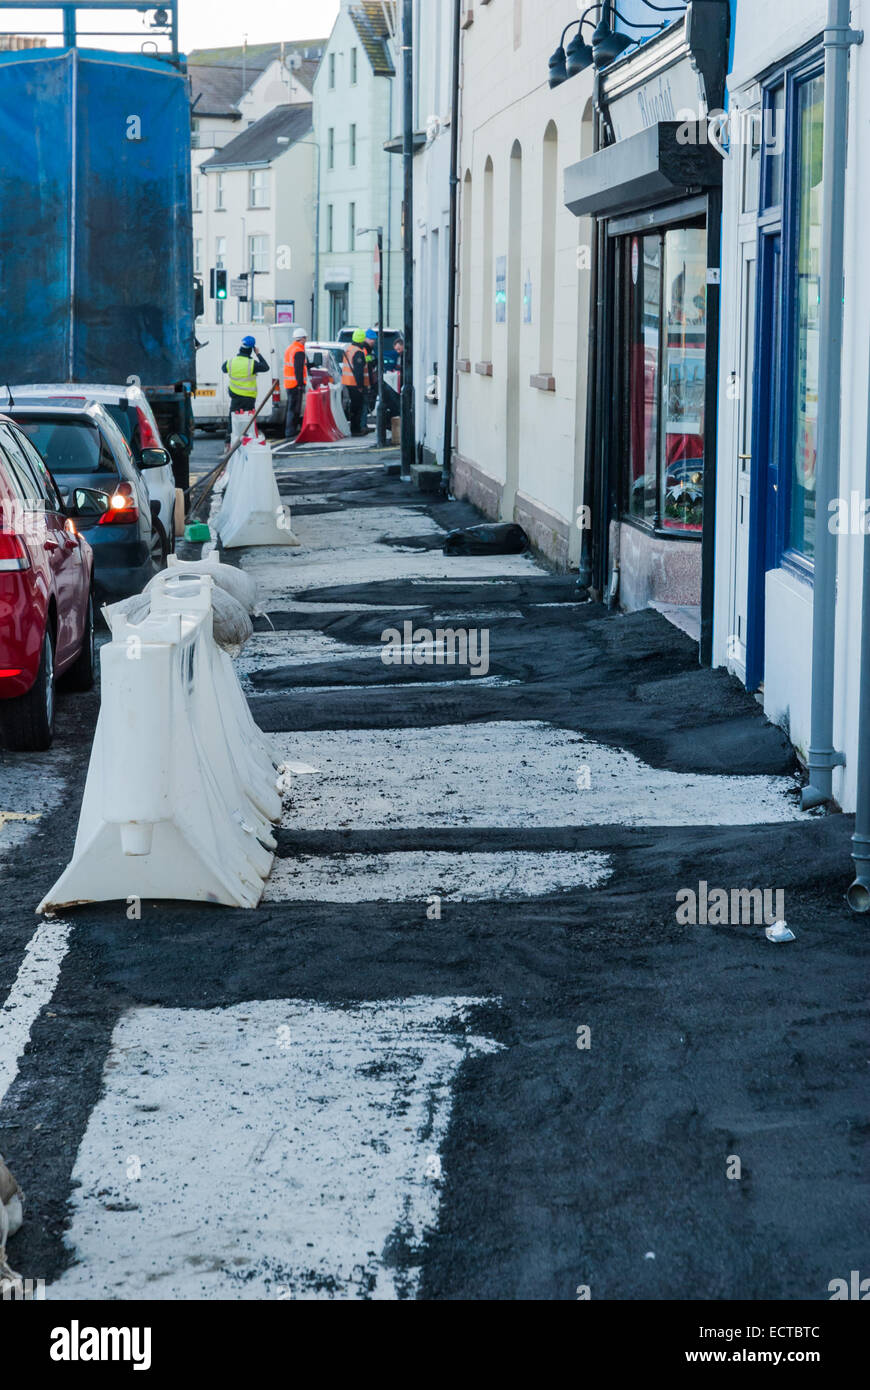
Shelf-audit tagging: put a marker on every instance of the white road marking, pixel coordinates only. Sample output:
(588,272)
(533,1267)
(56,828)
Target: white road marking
(32,989)
(509,774)
(414,875)
(285,1149)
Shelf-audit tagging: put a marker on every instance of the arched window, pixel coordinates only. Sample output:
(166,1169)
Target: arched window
(465,270)
(488,283)
(549,207)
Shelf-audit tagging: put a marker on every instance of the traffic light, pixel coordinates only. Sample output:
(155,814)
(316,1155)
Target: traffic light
(218,284)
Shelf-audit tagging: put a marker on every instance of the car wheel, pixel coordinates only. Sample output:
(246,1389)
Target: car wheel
(159,545)
(27,722)
(82,675)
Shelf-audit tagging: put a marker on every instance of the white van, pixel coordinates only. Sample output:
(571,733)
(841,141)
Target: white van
(211,401)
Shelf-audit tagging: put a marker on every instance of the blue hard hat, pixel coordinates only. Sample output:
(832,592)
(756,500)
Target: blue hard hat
(372,333)
(249,341)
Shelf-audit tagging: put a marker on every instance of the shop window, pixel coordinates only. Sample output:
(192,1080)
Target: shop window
(681,476)
(774,144)
(805,407)
(644,295)
(788,311)
(666,339)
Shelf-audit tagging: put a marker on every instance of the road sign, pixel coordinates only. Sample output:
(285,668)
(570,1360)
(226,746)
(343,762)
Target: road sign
(239,287)
(377,261)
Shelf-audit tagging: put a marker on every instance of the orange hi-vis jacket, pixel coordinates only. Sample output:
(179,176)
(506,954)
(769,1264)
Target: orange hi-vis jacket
(290,356)
(347,373)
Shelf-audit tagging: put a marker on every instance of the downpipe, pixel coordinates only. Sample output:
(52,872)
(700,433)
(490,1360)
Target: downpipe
(823,757)
(858,894)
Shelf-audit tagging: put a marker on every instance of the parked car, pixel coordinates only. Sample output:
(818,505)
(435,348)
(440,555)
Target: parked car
(391,357)
(131,410)
(102,488)
(324,362)
(46,595)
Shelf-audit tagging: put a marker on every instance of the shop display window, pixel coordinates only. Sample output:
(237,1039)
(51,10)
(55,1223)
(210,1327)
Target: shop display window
(665,319)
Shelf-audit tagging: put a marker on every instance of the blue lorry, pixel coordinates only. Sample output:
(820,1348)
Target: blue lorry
(96,260)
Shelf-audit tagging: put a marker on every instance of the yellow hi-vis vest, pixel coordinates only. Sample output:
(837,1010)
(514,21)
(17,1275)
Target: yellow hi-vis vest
(243,382)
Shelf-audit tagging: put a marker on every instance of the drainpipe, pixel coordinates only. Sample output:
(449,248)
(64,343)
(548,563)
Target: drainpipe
(450,374)
(408,426)
(585,570)
(823,757)
(858,895)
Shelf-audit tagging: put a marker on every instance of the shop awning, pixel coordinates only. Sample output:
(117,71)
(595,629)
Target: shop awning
(651,167)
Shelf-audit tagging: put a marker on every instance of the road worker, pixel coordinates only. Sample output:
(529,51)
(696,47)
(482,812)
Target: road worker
(295,381)
(354,377)
(372,366)
(242,372)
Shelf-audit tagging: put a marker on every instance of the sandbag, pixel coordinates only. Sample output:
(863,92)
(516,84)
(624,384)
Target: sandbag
(241,586)
(134,608)
(231,622)
(491,538)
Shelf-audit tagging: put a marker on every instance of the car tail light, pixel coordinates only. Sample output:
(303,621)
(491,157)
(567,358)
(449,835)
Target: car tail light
(276,393)
(10,671)
(148,439)
(122,510)
(13,553)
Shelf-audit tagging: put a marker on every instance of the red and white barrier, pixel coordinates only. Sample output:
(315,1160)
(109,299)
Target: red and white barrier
(342,423)
(318,425)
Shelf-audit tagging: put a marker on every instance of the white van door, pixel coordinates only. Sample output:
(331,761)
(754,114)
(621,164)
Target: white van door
(210,400)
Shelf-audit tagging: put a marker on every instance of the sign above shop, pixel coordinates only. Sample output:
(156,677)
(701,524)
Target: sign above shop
(672,95)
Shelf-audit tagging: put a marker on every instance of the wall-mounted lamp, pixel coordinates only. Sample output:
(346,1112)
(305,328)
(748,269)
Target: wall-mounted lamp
(606,45)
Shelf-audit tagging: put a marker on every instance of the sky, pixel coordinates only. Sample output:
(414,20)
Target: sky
(203,23)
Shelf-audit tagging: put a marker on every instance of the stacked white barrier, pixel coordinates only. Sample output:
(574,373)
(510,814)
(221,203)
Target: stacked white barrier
(181,790)
(337,407)
(252,512)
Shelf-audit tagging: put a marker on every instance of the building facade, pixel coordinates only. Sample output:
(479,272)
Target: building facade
(654,187)
(256,208)
(776,502)
(256,219)
(355,103)
(523,277)
(433,116)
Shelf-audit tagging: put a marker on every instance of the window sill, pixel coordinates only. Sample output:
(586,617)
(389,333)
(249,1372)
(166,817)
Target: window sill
(542,382)
(483,368)
(660,533)
(463,365)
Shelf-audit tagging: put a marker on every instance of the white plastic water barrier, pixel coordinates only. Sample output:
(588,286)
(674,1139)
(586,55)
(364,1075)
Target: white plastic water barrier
(252,512)
(181,791)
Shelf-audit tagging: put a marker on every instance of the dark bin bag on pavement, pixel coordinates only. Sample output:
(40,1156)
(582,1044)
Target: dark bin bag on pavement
(492,538)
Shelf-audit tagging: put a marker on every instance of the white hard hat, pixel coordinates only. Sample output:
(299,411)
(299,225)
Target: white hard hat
(299,333)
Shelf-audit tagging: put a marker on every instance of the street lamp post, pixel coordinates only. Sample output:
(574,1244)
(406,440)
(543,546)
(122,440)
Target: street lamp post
(381,423)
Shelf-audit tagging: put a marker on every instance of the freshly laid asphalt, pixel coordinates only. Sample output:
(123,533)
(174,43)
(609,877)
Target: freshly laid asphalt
(560,1166)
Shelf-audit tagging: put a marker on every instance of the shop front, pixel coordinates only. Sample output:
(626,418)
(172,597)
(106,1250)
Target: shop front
(654,187)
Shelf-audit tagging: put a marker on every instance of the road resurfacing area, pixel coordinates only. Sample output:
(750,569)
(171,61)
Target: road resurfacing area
(463,1048)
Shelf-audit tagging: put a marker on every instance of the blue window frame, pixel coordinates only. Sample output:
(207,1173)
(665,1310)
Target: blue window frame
(786,357)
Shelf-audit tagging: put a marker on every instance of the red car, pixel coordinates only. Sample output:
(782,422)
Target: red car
(46,596)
